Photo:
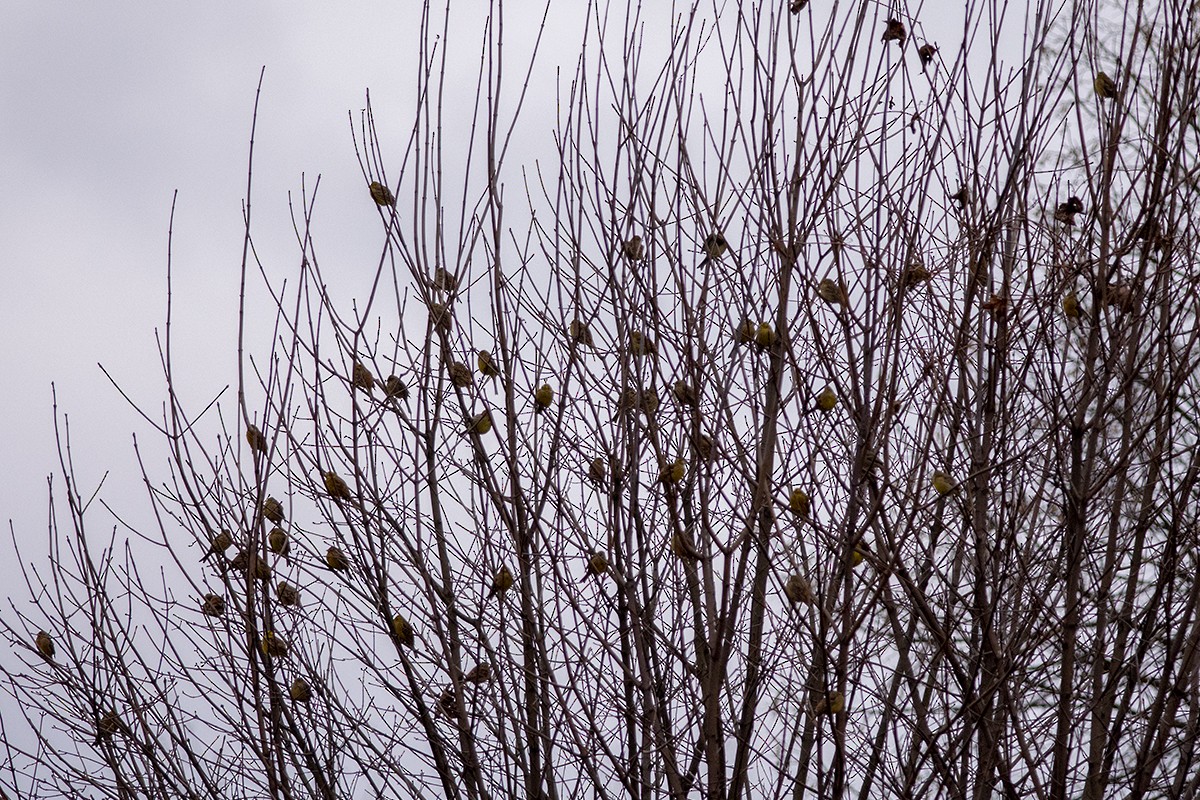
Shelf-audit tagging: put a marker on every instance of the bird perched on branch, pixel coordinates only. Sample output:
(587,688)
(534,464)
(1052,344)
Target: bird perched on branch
(480,424)
(597,472)
(832,293)
(1106,87)
(684,394)
(445,280)
(381,194)
(300,691)
(501,583)
(542,398)
(1070,306)
(671,472)
(403,631)
(256,440)
(362,377)
(219,544)
(480,673)
(580,333)
(336,560)
(277,540)
(832,703)
(641,345)
(799,502)
(272,509)
(633,249)
(336,487)
(461,375)
(273,645)
(941,482)
(798,590)
(107,726)
(826,400)
(287,594)
(926,54)
(394,388)
(45,645)
(796,6)
(213,606)
(894,31)
(764,337)
(715,245)
(597,563)
(487,365)
(683,547)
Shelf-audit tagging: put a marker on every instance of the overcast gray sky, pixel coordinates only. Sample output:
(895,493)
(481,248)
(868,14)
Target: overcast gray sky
(106,109)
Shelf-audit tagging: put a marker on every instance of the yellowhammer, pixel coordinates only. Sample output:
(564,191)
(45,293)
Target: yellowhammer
(277,540)
(715,245)
(798,590)
(336,560)
(1105,87)
(445,280)
(832,292)
(381,194)
(394,387)
(633,249)
(683,547)
(894,31)
(460,375)
(481,423)
(45,644)
(597,471)
(581,333)
(214,605)
(272,509)
(487,365)
(641,345)
(336,487)
(542,398)
(403,631)
(799,502)
(826,400)
(363,378)
(501,583)
(300,691)
(1070,306)
(288,595)
(255,438)
(685,395)
(764,337)
(597,564)
(942,483)
(273,645)
(671,472)
(480,673)
(926,53)
(832,703)
(219,544)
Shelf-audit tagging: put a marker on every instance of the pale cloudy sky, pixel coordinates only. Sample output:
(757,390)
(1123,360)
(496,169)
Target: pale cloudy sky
(106,109)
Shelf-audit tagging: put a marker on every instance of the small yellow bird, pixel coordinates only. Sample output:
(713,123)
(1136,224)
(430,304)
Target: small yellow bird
(273,645)
(272,509)
(684,548)
(214,605)
(255,438)
(487,365)
(832,703)
(799,502)
(649,403)
(480,424)
(45,644)
(764,337)
(501,582)
(381,194)
(704,447)
(336,560)
(288,595)
(363,378)
(627,400)
(641,344)
(277,540)
(403,631)
(542,398)
(1070,306)
(826,400)
(300,691)
(684,394)
(445,280)
(633,249)
(942,483)
(832,292)
(480,673)
(894,31)
(250,563)
(856,557)
(672,472)
(336,487)
(219,544)
(597,563)
(581,333)
(461,375)
(1105,87)
(715,245)
(393,387)
(597,472)
(798,590)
